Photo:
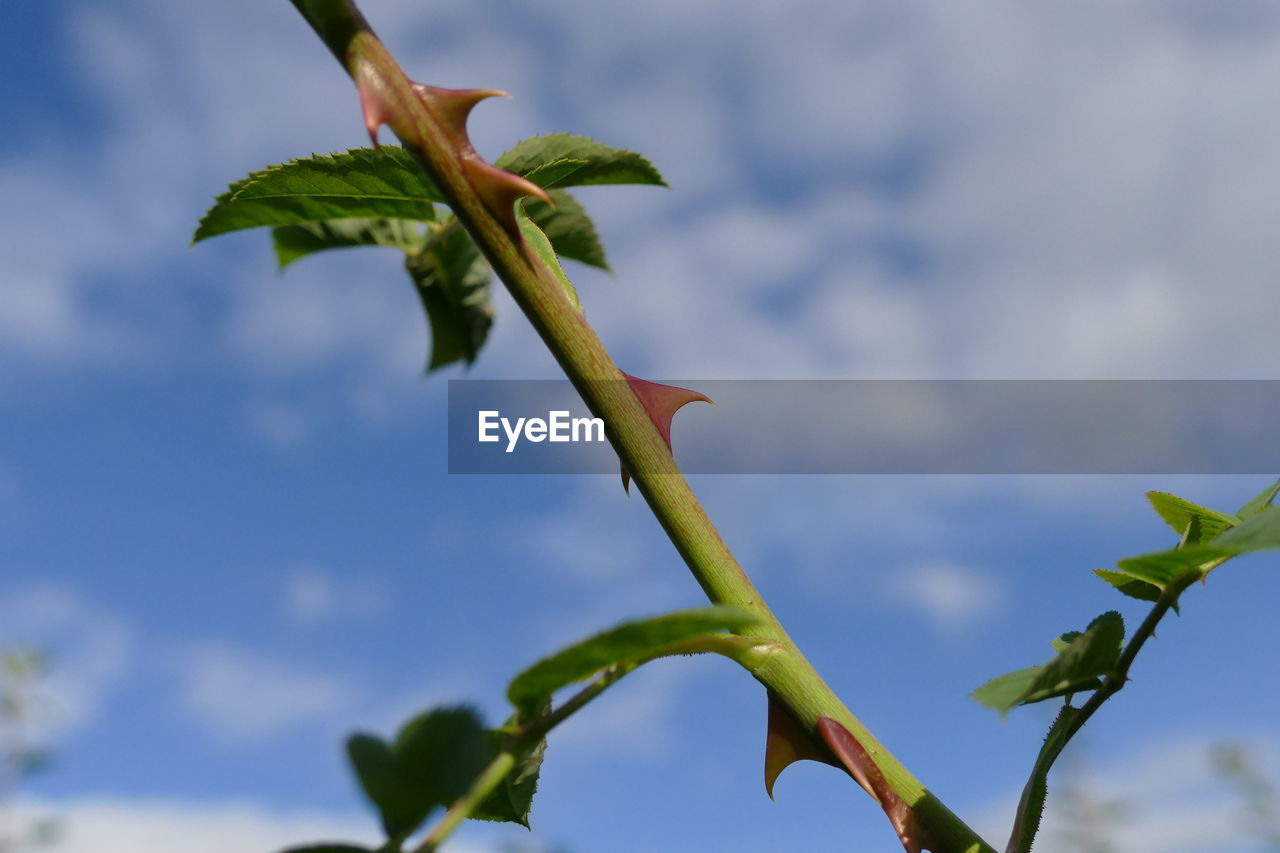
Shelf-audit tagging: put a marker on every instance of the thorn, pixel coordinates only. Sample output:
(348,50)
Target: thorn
(786,743)
(500,190)
(866,773)
(372,106)
(661,402)
(453,106)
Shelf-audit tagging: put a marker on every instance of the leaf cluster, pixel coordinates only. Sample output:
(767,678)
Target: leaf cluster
(439,757)
(380,197)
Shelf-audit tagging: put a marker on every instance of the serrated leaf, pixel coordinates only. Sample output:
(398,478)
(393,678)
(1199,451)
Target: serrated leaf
(360,183)
(1003,692)
(541,247)
(1164,567)
(603,164)
(512,800)
(1129,585)
(628,642)
(293,242)
(1082,658)
(453,283)
(1260,501)
(1194,523)
(1259,532)
(555,173)
(571,232)
(1090,654)
(1063,641)
(431,763)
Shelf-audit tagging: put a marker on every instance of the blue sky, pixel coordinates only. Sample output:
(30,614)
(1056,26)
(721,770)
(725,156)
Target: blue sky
(223,498)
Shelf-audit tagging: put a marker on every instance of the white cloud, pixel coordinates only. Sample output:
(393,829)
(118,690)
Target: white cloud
(1171,800)
(88,649)
(238,695)
(1080,217)
(103,824)
(951,596)
(314,597)
(117,825)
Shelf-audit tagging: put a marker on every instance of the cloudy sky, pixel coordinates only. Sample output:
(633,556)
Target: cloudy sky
(223,502)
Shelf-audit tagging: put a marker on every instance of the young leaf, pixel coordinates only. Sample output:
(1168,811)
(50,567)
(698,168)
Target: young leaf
(1260,502)
(1164,567)
(1130,586)
(362,182)
(601,163)
(570,230)
(1194,523)
(1090,654)
(432,762)
(1260,531)
(378,772)
(441,752)
(626,643)
(297,241)
(512,800)
(541,247)
(1082,658)
(452,281)
(1003,692)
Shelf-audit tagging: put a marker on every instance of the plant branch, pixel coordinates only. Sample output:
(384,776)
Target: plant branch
(1031,804)
(573,343)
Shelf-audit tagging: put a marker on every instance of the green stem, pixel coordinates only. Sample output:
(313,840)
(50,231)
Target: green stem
(484,785)
(1032,802)
(571,340)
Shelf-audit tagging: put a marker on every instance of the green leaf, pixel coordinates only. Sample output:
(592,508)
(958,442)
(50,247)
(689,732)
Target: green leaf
(378,772)
(1194,523)
(442,751)
(329,848)
(362,182)
(552,174)
(297,241)
(453,284)
(1260,502)
(1164,567)
(432,762)
(1129,585)
(1089,655)
(626,643)
(541,246)
(512,800)
(1082,658)
(1005,691)
(601,163)
(570,230)
(1260,531)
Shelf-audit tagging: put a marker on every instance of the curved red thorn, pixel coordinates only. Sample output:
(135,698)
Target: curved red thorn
(786,743)
(453,106)
(661,402)
(373,107)
(499,189)
(851,753)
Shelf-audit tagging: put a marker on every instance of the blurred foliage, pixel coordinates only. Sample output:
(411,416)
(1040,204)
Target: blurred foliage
(22,672)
